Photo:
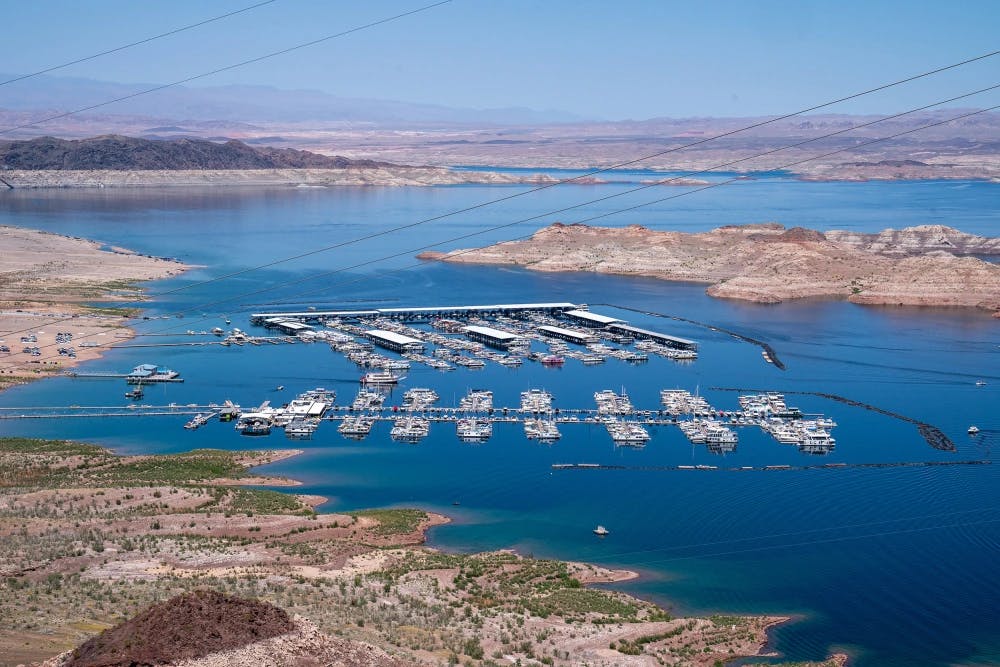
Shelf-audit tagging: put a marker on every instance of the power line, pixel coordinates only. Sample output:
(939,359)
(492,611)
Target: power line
(797,532)
(575,206)
(563,181)
(520,221)
(137,43)
(242,63)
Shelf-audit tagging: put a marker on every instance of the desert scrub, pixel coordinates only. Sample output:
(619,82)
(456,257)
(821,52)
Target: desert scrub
(574,602)
(393,521)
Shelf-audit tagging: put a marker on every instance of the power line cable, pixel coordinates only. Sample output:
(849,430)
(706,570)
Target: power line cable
(520,221)
(516,222)
(568,208)
(797,533)
(137,43)
(830,540)
(546,186)
(219,70)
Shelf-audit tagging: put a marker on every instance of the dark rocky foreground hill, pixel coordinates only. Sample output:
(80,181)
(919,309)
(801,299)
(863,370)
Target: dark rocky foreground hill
(116,152)
(206,628)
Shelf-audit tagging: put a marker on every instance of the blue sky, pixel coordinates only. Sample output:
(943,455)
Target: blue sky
(610,60)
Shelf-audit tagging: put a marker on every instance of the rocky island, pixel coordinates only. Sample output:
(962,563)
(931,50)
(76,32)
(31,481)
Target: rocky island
(930,265)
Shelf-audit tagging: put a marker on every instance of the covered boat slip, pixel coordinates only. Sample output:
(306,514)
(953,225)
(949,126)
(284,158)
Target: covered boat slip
(646,334)
(394,341)
(492,337)
(421,313)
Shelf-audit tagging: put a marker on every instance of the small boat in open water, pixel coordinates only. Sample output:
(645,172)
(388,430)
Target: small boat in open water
(973,430)
(601,531)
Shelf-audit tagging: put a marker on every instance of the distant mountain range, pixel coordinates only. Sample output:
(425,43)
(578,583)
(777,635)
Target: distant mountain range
(119,152)
(254,104)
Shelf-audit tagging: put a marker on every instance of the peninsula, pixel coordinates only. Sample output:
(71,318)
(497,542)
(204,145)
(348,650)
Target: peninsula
(47,282)
(930,265)
(92,539)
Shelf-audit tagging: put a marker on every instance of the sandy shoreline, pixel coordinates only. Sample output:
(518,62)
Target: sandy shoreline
(59,333)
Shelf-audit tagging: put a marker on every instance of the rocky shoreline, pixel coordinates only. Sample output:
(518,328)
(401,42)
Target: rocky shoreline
(930,265)
(94,538)
(384,176)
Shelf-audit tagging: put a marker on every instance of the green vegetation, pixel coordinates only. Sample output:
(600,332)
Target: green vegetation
(393,521)
(36,446)
(580,601)
(188,468)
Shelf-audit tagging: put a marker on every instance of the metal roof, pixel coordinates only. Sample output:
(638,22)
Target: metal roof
(566,332)
(593,317)
(492,333)
(654,334)
(392,337)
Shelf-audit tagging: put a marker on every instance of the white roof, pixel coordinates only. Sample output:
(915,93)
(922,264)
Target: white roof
(565,332)
(392,337)
(492,333)
(593,317)
(655,334)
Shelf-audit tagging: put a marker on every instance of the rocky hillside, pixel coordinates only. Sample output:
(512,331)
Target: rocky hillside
(767,263)
(206,628)
(116,152)
(918,240)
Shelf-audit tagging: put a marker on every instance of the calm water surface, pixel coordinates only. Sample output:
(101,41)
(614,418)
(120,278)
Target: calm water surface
(897,566)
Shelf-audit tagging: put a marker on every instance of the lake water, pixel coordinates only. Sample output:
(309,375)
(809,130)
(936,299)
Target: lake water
(897,566)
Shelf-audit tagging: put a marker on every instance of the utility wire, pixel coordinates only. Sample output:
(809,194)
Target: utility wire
(548,185)
(829,540)
(138,43)
(242,63)
(797,533)
(569,208)
(520,221)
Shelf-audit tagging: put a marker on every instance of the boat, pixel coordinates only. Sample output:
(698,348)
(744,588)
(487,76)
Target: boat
(381,377)
(255,427)
(980,383)
(146,373)
(280,387)
(409,429)
(198,421)
(973,430)
(601,531)
(356,427)
(135,394)
(542,430)
(536,400)
(474,430)
(301,428)
(553,360)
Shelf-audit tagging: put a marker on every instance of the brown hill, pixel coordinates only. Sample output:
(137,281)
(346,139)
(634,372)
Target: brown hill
(192,625)
(116,152)
(206,628)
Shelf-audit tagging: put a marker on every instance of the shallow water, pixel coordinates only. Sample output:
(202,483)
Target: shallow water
(894,565)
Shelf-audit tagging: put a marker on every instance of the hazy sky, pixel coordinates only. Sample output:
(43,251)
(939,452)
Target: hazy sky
(612,60)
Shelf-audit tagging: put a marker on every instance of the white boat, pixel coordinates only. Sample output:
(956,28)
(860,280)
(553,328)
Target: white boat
(356,427)
(601,531)
(980,383)
(381,377)
(410,429)
(973,429)
(474,430)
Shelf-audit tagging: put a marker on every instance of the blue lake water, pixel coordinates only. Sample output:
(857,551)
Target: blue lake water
(897,566)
